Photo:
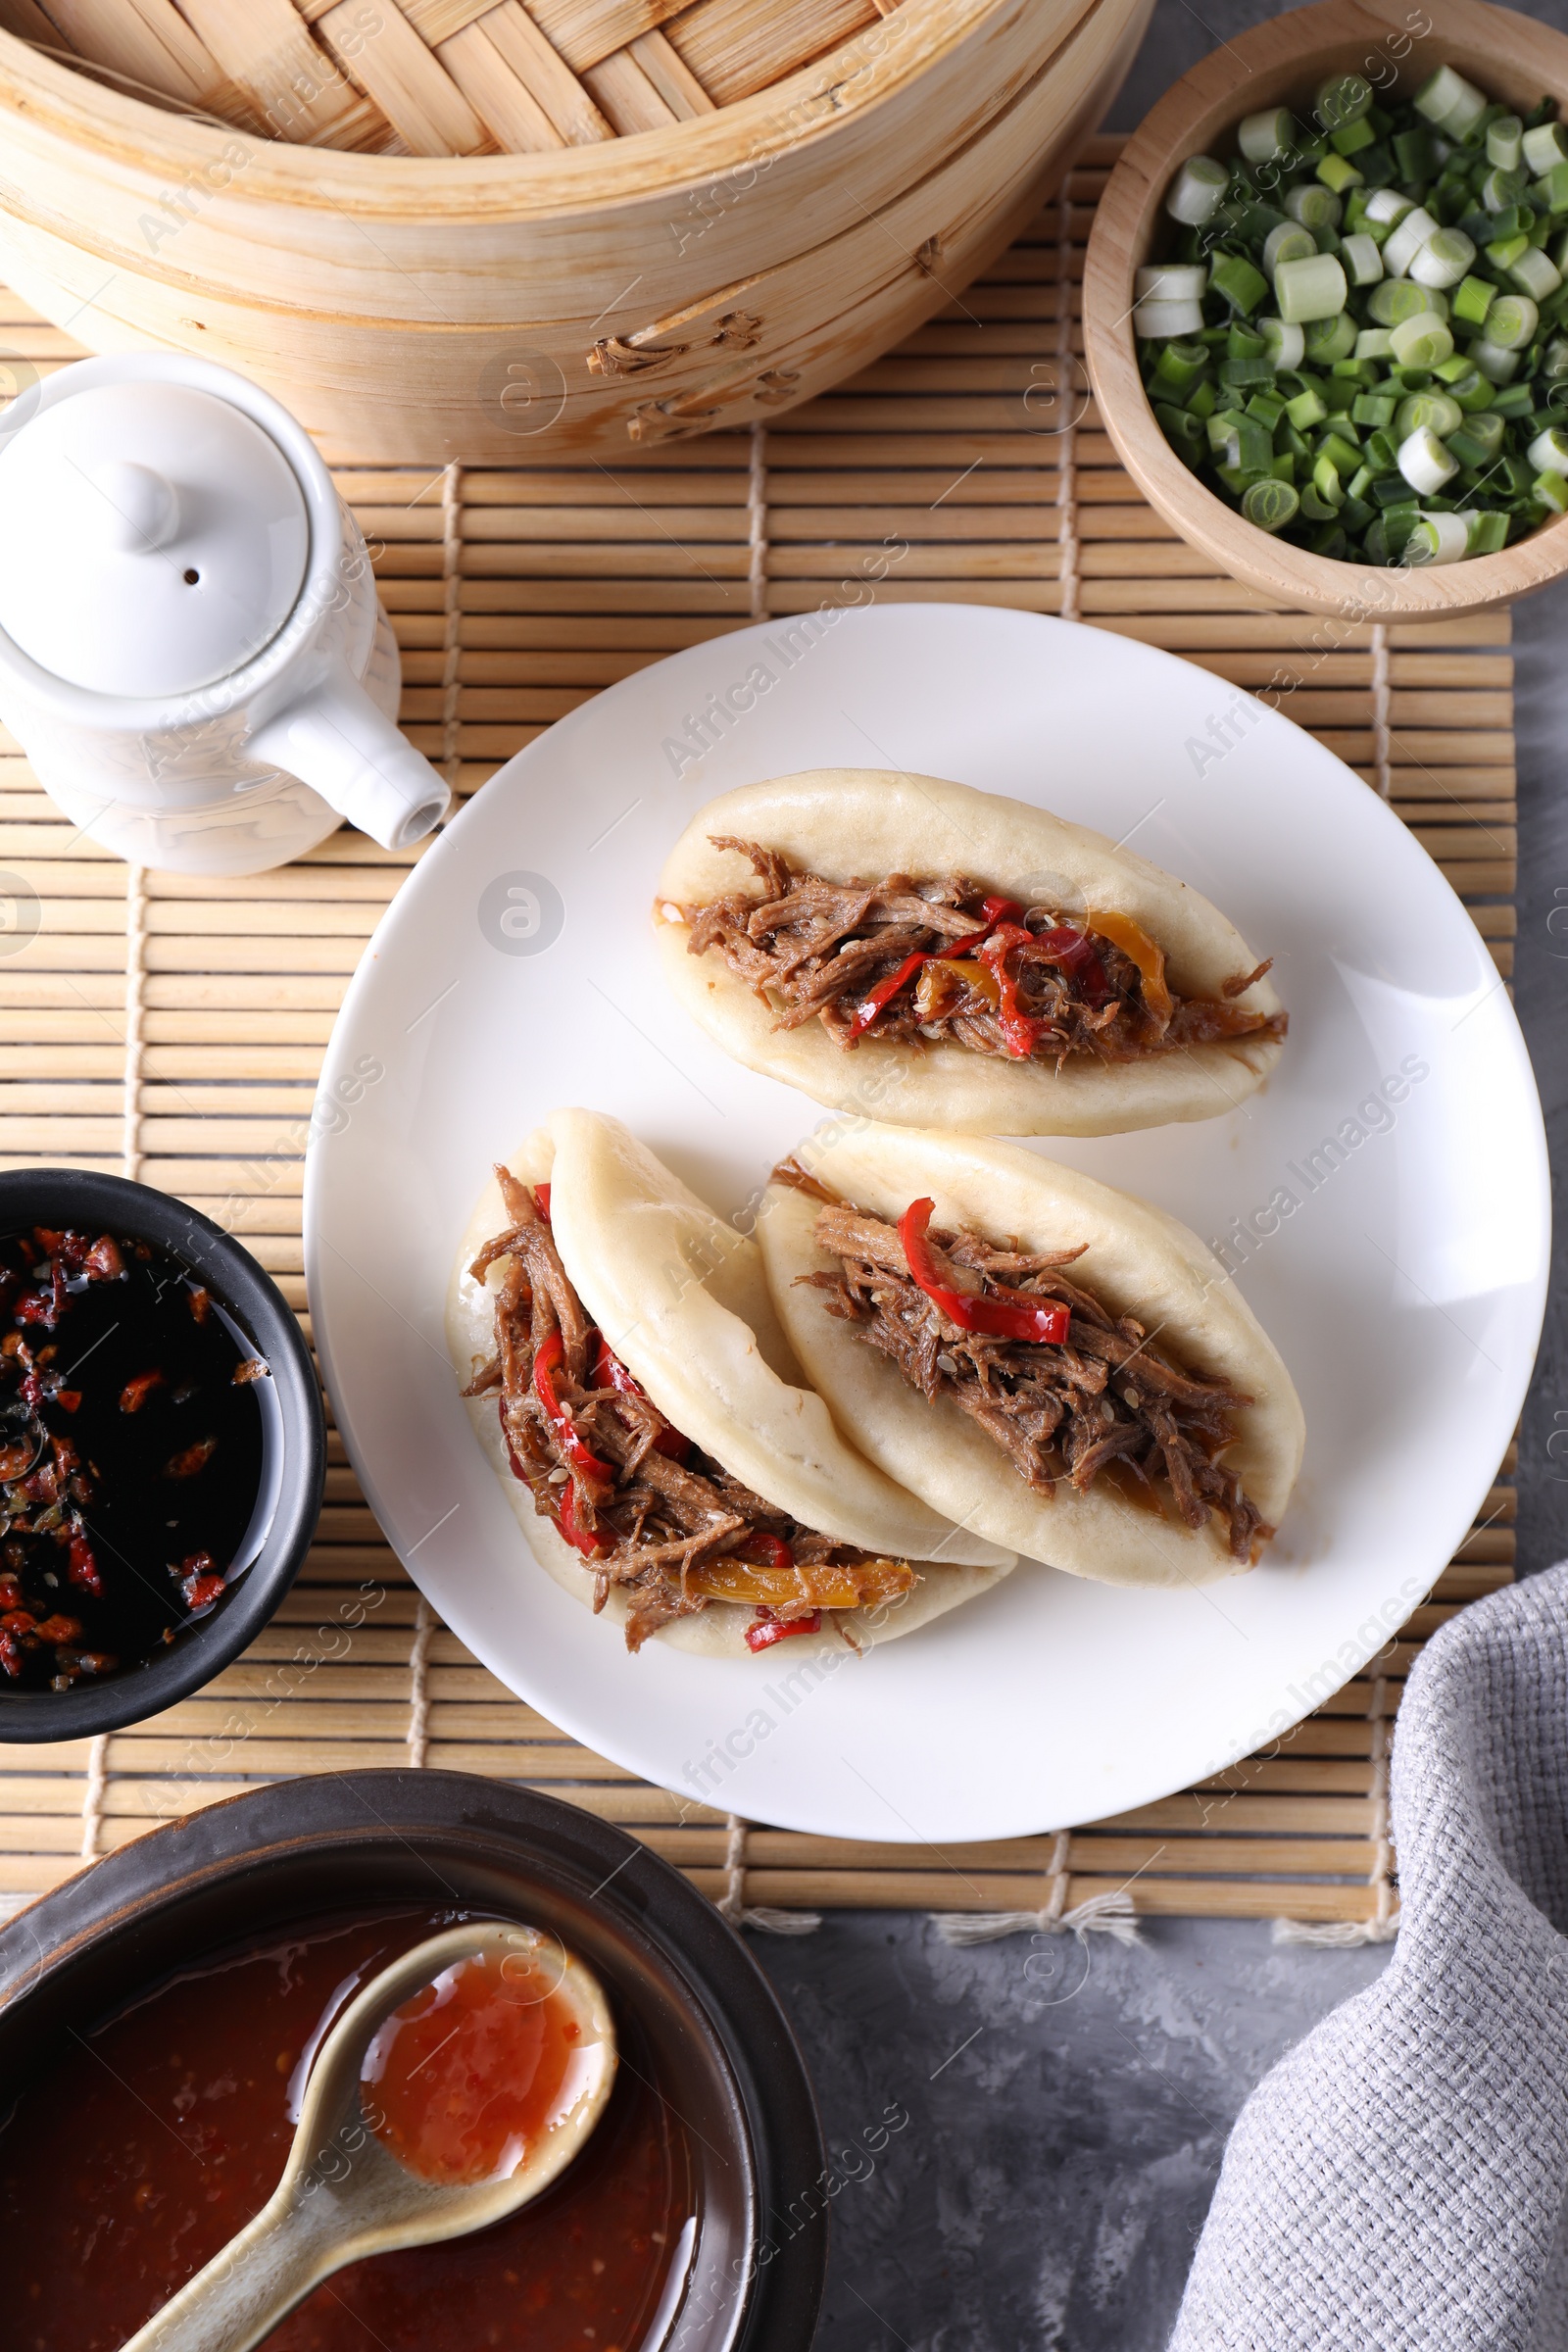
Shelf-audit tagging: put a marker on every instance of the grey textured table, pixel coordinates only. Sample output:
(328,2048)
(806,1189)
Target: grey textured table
(1066,2122)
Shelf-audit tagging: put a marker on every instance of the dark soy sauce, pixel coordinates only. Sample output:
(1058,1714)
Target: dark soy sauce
(133,1427)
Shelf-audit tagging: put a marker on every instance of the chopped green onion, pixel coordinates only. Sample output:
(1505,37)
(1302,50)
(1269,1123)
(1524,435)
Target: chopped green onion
(1489,534)
(1453,104)
(1337,171)
(1505,142)
(1500,191)
(1496,364)
(1422,341)
(1434,408)
(1550,193)
(1388,207)
(1512,322)
(1290,242)
(1397,298)
(1549,452)
(1286,342)
(1178,368)
(1265,137)
(1416,157)
(1342,101)
(1270,504)
(1468,446)
(1197,191)
(1538,275)
(1346,422)
(1443,259)
(1314,207)
(1425,463)
(1330,340)
(1472,299)
(1243,286)
(1363,263)
(1326,482)
(1172,282)
(1439,539)
(1256,368)
(1406,241)
(1545,146)
(1310,288)
(1156,320)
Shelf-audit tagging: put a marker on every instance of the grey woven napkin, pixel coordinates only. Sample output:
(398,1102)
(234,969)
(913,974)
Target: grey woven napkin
(1398,2179)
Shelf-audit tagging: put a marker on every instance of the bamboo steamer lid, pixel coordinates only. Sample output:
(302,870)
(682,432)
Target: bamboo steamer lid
(539,228)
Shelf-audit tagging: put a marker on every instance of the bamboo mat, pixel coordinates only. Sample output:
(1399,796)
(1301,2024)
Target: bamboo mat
(173,1028)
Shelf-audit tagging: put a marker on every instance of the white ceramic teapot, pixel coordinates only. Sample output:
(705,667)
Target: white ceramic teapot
(192,653)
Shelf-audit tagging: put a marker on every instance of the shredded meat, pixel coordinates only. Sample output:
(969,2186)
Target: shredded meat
(646,1508)
(1046,988)
(1106,1395)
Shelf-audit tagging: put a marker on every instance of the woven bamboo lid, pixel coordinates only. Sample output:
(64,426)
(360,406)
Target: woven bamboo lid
(443,76)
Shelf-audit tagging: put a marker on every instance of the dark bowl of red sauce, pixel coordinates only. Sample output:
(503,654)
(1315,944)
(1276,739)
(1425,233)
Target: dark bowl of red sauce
(159,2014)
(163,1451)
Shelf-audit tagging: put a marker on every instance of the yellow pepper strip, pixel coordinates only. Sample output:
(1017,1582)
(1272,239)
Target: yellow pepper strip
(823,1587)
(934,990)
(1135,942)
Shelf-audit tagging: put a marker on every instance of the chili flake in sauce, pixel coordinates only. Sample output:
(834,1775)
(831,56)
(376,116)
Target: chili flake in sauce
(130,1455)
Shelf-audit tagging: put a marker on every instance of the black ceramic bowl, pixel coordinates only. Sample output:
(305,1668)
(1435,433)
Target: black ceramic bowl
(80,1196)
(719,2046)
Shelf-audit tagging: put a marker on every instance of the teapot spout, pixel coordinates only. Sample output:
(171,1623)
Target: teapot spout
(334,739)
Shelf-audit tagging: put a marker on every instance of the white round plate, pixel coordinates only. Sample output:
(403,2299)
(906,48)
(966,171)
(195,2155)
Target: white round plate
(1396,1251)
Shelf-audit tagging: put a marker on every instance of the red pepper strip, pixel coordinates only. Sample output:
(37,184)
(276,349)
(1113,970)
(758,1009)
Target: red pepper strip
(1076,954)
(865,1012)
(541,1194)
(580,1538)
(609,1372)
(1002,1313)
(587,1464)
(764,1631)
(769,1551)
(882,996)
(1020,1031)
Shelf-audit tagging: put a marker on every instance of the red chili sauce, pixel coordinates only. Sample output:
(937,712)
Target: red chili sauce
(462,2081)
(130,2162)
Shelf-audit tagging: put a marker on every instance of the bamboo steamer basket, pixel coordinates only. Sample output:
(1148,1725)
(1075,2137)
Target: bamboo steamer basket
(1283,63)
(576,303)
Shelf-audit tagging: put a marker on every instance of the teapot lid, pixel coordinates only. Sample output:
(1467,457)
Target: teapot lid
(157,539)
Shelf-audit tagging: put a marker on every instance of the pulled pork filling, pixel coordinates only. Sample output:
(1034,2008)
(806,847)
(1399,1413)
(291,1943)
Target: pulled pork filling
(910,960)
(646,1508)
(951,1312)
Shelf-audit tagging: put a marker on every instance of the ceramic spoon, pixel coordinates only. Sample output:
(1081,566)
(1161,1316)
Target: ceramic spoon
(344,2194)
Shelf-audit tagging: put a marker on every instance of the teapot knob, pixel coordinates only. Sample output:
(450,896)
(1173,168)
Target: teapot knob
(134,508)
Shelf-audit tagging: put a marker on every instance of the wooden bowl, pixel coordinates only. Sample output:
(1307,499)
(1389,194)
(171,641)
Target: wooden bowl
(1284,62)
(526,309)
